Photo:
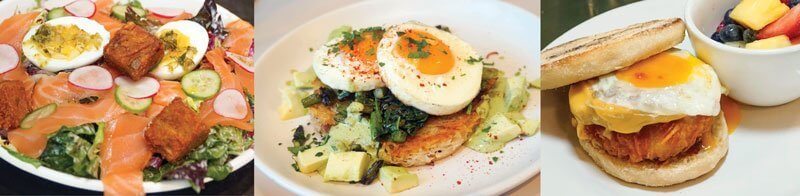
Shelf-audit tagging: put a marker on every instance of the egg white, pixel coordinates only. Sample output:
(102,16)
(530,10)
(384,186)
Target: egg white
(441,94)
(198,38)
(85,58)
(700,95)
(340,72)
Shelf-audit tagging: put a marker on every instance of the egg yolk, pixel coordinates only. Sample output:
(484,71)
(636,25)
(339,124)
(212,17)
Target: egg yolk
(64,41)
(429,54)
(178,50)
(661,70)
(364,47)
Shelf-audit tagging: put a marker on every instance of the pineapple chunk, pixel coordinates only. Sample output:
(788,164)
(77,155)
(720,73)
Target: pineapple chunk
(770,43)
(755,14)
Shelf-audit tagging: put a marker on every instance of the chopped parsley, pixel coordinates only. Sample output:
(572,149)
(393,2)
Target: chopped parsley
(495,159)
(420,53)
(443,28)
(486,129)
(350,39)
(319,154)
(473,60)
(381,64)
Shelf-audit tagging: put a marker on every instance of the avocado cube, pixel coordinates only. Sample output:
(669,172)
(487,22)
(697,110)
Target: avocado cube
(321,170)
(502,129)
(516,94)
(291,107)
(528,126)
(312,159)
(346,166)
(304,79)
(756,14)
(396,179)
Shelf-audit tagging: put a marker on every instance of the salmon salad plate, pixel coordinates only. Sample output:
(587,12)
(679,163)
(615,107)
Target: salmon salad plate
(125,97)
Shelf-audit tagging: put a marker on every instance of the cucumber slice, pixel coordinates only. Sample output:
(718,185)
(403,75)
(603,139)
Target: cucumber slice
(37,114)
(57,13)
(201,84)
(119,11)
(131,104)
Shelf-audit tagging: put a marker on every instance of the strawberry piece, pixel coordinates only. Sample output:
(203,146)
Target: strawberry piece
(788,24)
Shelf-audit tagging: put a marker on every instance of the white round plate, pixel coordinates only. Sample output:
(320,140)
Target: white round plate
(762,157)
(9,7)
(486,25)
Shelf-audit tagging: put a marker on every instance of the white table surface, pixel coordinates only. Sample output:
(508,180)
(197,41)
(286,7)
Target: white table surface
(274,18)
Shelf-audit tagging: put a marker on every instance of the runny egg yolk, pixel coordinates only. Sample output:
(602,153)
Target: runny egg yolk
(365,47)
(429,54)
(661,70)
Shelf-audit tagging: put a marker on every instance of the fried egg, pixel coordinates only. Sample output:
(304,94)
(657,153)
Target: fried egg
(429,69)
(185,44)
(65,43)
(349,62)
(669,83)
(662,88)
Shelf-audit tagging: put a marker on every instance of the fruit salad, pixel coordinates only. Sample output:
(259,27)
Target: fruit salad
(760,24)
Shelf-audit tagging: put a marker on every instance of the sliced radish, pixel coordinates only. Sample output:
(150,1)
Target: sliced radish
(230,103)
(243,61)
(91,77)
(166,12)
(142,88)
(52,4)
(81,8)
(9,58)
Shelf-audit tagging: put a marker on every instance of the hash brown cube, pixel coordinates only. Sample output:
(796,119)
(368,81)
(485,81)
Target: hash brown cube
(14,104)
(175,131)
(133,51)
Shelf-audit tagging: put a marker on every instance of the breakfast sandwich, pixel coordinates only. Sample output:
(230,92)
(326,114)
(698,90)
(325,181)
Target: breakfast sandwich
(645,112)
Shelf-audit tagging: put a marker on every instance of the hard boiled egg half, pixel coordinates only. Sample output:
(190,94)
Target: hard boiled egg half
(429,69)
(65,43)
(185,44)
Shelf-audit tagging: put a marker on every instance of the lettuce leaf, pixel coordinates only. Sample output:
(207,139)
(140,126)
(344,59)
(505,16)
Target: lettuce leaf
(74,150)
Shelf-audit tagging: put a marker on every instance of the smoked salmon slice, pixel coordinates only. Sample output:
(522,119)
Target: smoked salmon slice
(13,29)
(169,90)
(104,7)
(31,142)
(240,37)
(110,24)
(229,81)
(246,78)
(163,20)
(124,153)
(58,89)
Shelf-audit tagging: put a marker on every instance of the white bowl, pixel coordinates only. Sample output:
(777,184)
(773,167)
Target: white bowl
(755,77)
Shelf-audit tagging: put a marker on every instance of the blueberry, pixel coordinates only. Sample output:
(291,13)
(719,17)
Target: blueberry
(731,33)
(749,35)
(727,19)
(792,3)
(715,37)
